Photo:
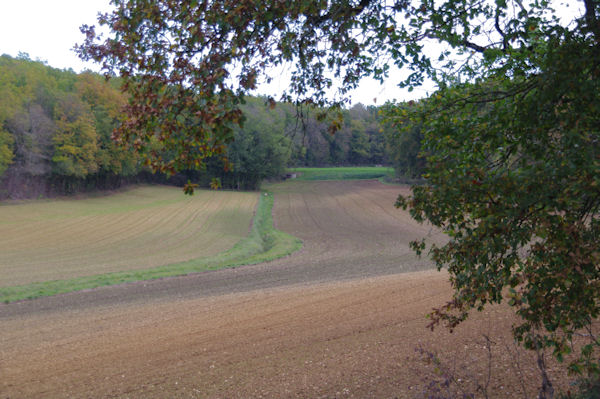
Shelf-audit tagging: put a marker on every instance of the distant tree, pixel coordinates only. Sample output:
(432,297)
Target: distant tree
(403,139)
(75,140)
(359,153)
(260,149)
(27,127)
(183,74)
(32,130)
(106,103)
(6,151)
(320,145)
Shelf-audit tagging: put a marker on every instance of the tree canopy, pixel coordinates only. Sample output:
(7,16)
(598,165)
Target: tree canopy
(188,64)
(56,128)
(510,137)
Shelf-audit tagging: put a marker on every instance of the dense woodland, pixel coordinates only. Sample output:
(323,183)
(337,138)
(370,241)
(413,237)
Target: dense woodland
(56,127)
(55,131)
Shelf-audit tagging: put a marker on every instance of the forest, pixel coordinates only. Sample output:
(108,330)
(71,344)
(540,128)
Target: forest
(56,127)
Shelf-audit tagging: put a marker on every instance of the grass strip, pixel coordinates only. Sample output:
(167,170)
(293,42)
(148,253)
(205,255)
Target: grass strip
(342,173)
(401,181)
(263,244)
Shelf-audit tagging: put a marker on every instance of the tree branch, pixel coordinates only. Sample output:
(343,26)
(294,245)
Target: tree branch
(342,11)
(474,46)
(591,18)
(500,31)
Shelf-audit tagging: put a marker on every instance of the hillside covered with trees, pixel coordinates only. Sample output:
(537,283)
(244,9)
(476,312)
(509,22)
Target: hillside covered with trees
(56,128)
(55,131)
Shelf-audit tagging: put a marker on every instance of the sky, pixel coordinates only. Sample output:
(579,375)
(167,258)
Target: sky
(48,29)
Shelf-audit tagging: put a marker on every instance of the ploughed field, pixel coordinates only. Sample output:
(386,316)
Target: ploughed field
(342,317)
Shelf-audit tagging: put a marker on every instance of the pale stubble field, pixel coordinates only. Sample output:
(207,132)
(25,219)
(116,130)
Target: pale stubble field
(137,229)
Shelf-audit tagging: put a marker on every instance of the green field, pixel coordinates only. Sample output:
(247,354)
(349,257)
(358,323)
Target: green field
(342,173)
(56,246)
(49,247)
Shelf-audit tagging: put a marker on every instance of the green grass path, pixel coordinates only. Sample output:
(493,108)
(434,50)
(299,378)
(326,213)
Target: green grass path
(343,173)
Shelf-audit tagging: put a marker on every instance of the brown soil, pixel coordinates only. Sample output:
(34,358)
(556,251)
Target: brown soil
(338,319)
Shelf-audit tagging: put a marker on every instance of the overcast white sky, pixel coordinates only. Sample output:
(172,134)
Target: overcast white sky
(48,29)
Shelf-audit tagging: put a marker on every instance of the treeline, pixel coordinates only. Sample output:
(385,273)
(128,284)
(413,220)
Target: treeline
(403,138)
(274,139)
(56,126)
(55,131)
(359,141)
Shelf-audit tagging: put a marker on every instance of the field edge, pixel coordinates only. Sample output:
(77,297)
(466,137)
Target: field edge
(264,243)
(341,173)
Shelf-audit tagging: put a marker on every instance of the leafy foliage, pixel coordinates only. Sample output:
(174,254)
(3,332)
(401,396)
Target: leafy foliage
(75,141)
(515,183)
(260,149)
(188,65)
(511,136)
(56,136)
(403,139)
(55,129)
(513,169)
(6,152)
(357,142)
